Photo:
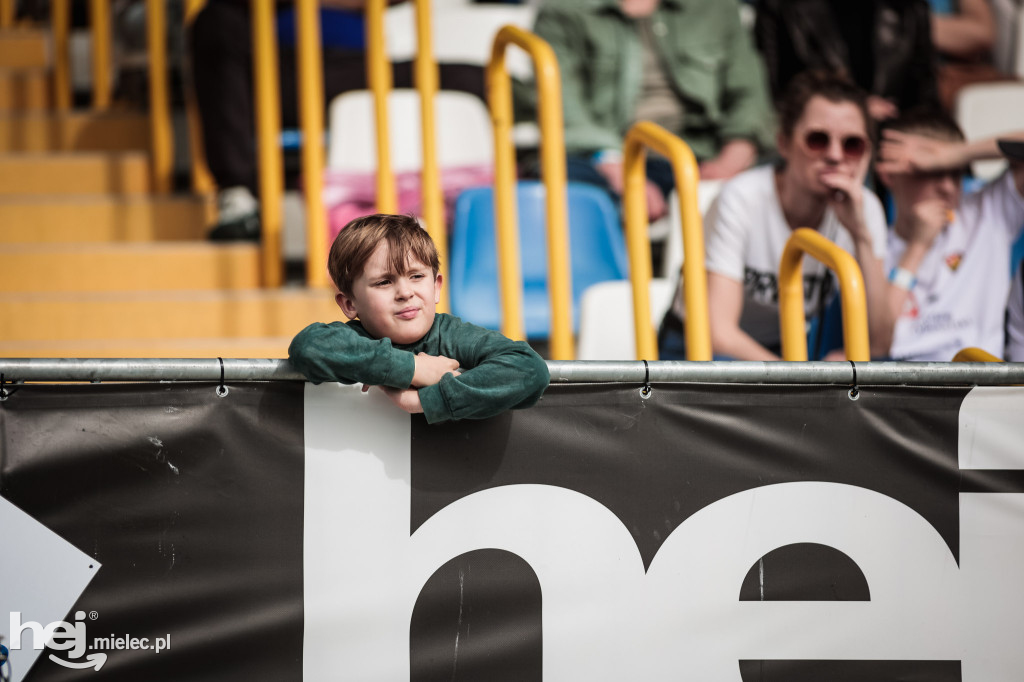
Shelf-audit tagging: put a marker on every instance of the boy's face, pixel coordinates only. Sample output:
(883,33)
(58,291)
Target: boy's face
(914,188)
(398,306)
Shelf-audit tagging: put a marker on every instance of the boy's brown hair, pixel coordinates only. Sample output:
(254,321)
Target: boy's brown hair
(928,122)
(360,237)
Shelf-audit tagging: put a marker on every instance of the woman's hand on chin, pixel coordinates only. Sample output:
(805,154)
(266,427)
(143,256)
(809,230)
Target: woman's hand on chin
(847,201)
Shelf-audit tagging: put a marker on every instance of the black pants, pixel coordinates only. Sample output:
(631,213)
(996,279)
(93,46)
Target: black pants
(221,50)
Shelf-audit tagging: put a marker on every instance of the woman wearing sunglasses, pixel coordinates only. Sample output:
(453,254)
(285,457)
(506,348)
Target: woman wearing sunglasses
(824,144)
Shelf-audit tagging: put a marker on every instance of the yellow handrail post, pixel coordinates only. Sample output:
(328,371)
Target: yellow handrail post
(973,354)
(268,136)
(427,82)
(6,13)
(99,20)
(378,77)
(202,180)
(160,129)
(60,24)
(311,112)
(791,295)
(645,134)
(552,148)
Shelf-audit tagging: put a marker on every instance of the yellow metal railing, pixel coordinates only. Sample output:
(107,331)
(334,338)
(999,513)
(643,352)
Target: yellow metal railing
(641,136)
(972,354)
(202,180)
(552,148)
(792,318)
(378,76)
(160,128)
(60,25)
(99,20)
(267,95)
(6,13)
(311,114)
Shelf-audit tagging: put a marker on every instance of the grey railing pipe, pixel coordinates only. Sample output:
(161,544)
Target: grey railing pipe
(823,373)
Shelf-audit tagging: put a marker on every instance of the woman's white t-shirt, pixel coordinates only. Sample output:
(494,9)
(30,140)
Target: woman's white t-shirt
(745,234)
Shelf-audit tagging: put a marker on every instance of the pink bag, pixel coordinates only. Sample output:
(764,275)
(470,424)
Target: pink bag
(349,195)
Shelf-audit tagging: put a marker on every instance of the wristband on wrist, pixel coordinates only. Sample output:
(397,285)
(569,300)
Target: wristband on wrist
(902,278)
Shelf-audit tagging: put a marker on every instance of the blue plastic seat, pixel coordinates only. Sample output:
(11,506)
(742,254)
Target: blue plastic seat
(596,243)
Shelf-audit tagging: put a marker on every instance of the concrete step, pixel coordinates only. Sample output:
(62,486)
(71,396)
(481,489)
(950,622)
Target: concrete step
(48,321)
(123,173)
(25,90)
(91,267)
(262,347)
(103,218)
(75,131)
(23,47)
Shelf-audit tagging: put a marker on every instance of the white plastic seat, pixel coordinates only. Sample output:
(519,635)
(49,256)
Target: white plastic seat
(986,110)
(464,135)
(672,260)
(462,33)
(606,318)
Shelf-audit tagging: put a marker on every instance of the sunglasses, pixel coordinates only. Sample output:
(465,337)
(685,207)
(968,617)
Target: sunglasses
(854,146)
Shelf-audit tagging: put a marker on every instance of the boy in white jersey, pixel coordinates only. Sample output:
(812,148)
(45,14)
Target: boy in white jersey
(949,254)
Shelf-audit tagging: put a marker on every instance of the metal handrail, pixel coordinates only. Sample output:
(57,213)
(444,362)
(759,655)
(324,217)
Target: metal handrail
(553,174)
(267,92)
(16,370)
(6,13)
(160,127)
(427,83)
(792,318)
(311,114)
(973,354)
(60,25)
(99,24)
(643,135)
(202,180)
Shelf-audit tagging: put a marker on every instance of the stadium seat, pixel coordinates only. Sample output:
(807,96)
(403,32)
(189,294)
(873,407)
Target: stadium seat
(989,109)
(465,151)
(463,33)
(606,313)
(672,259)
(464,135)
(597,247)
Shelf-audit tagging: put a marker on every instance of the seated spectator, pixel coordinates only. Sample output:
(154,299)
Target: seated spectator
(964,34)
(883,45)
(825,144)
(949,254)
(689,67)
(222,72)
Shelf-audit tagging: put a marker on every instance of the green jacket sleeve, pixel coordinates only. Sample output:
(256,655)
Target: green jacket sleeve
(338,352)
(746,109)
(498,374)
(563,31)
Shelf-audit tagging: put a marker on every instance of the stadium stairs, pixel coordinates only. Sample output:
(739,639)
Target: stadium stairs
(93,263)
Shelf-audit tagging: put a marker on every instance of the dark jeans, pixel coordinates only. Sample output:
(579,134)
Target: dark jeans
(582,169)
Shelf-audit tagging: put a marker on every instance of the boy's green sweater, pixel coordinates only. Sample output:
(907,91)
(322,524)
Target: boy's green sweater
(497,373)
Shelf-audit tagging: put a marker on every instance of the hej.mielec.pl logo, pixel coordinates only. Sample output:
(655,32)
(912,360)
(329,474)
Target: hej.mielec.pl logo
(71,638)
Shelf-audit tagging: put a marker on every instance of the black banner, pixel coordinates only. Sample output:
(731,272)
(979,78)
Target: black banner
(707,532)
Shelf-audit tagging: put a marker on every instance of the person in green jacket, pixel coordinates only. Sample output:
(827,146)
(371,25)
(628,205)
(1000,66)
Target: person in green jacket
(385,268)
(688,65)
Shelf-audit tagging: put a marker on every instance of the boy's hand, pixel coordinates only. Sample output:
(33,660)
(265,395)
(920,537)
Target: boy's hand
(407,399)
(927,220)
(430,369)
(908,153)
